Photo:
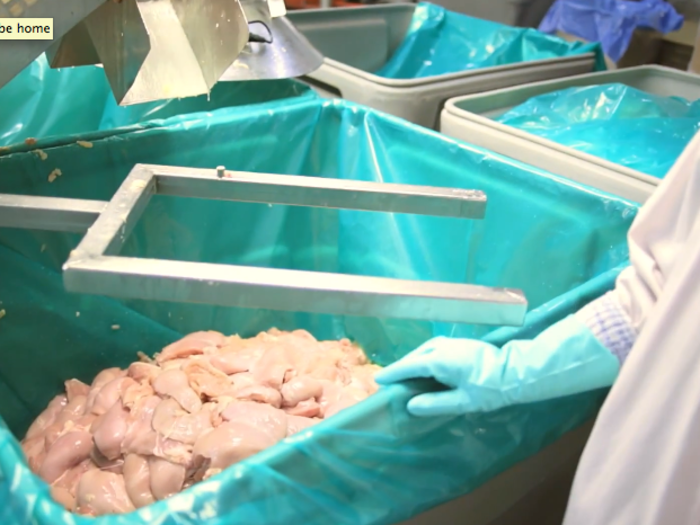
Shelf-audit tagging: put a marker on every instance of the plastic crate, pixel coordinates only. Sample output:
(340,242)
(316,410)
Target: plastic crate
(470,118)
(358,41)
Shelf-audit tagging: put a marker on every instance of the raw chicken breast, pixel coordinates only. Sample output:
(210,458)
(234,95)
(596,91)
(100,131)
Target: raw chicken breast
(175,384)
(137,478)
(193,344)
(67,452)
(204,403)
(227,444)
(166,478)
(101,493)
(300,389)
(76,388)
(296,424)
(47,417)
(109,394)
(110,429)
(264,417)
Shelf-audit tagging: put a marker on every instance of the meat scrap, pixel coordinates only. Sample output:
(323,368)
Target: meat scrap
(205,402)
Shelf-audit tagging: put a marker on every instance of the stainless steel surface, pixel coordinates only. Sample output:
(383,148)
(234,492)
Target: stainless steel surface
(121,42)
(94,267)
(161,49)
(319,192)
(289,55)
(74,49)
(256,11)
(49,213)
(18,54)
(296,291)
(164,49)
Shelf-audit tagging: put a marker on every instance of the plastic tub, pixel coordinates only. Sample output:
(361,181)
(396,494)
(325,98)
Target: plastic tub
(470,118)
(358,41)
(371,464)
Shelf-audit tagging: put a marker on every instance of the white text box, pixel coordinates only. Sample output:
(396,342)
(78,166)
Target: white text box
(26,28)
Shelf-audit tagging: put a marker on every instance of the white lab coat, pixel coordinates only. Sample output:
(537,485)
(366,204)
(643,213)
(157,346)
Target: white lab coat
(641,465)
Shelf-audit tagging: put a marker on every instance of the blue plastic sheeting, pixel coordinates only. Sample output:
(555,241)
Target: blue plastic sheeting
(610,22)
(562,243)
(44,103)
(615,122)
(439,42)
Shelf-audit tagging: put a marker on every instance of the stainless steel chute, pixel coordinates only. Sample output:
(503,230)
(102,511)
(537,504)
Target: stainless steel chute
(162,49)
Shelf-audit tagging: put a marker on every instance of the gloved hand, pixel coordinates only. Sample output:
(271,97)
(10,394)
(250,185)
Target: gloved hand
(563,360)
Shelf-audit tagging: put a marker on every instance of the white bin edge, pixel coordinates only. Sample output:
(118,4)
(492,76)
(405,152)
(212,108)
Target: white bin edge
(567,162)
(420,100)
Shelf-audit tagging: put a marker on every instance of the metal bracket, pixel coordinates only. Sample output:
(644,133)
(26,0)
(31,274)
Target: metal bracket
(158,49)
(95,267)
(288,54)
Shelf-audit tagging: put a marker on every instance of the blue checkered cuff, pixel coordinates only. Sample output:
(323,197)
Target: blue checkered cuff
(609,324)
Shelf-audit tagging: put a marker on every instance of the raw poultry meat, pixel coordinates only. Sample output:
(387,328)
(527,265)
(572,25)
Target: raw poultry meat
(203,403)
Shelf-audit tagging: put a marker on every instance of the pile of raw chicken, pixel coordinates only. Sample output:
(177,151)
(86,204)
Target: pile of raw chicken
(202,404)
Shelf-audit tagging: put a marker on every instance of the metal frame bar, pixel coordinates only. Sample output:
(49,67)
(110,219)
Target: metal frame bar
(49,213)
(94,266)
(320,192)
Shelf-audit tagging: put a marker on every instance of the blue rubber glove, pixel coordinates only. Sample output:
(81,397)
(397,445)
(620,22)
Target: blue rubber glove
(563,360)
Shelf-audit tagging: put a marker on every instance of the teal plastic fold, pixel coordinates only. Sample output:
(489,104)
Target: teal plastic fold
(560,242)
(77,103)
(615,122)
(439,42)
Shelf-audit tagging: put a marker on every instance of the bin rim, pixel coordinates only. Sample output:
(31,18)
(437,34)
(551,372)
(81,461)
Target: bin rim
(453,107)
(401,85)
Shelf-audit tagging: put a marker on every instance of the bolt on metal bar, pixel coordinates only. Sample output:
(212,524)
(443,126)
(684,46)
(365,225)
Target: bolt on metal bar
(320,192)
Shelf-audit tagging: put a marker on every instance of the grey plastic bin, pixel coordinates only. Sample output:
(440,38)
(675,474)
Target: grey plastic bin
(533,491)
(469,118)
(359,40)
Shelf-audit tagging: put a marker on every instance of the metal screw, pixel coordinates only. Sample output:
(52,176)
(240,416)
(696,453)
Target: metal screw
(220,171)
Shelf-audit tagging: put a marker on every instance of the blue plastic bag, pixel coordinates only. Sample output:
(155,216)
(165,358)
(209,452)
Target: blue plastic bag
(371,464)
(439,42)
(615,122)
(610,22)
(44,103)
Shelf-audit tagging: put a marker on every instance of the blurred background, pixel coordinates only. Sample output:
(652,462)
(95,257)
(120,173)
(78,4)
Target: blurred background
(648,46)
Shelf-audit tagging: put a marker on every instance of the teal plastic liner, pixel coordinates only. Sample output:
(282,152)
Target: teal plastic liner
(560,242)
(615,122)
(439,42)
(44,104)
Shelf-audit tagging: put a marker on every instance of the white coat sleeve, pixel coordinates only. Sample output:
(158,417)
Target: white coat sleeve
(640,465)
(657,235)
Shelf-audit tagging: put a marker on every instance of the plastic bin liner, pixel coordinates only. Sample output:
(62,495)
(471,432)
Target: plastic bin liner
(439,42)
(42,102)
(562,243)
(615,122)
(610,22)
